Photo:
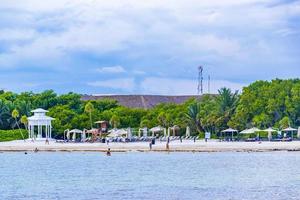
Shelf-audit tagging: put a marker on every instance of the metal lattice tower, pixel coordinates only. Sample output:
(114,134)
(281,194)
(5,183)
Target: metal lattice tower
(200,80)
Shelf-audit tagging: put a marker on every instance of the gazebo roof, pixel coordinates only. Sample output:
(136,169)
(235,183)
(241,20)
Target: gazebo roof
(39,110)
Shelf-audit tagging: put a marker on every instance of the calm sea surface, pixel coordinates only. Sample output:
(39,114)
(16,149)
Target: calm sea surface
(144,176)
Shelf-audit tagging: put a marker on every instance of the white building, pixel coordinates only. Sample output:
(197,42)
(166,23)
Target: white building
(39,125)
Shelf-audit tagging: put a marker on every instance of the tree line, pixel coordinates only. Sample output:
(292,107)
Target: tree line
(262,104)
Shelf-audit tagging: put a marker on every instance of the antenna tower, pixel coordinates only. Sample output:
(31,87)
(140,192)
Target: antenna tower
(200,80)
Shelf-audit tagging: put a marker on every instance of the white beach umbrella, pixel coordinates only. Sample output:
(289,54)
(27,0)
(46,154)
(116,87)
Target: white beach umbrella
(289,129)
(83,136)
(250,130)
(270,130)
(129,133)
(187,131)
(229,130)
(68,135)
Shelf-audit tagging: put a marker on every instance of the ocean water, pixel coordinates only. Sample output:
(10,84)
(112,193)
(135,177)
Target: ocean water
(77,176)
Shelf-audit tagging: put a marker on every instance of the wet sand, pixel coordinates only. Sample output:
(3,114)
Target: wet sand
(175,146)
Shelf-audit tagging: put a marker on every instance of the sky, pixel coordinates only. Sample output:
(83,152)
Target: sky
(146,47)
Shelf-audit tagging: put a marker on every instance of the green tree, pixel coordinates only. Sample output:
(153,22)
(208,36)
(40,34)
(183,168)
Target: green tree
(24,121)
(15,115)
(89,108)
(114,121)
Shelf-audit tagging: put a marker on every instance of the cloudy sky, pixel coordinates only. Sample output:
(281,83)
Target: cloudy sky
(146,47)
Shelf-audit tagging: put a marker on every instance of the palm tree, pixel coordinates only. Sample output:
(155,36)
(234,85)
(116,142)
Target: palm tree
(227,102)
(114,121)
(89,108)
(24,121)
(193,116)
(15,115)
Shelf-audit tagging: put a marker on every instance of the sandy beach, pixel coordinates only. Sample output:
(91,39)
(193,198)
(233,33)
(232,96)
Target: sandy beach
(175,146)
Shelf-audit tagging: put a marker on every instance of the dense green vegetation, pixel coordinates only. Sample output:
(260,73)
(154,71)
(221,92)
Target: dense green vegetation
(261,104)
(9,135)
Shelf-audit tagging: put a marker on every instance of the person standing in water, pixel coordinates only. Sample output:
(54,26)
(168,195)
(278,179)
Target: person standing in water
(108,152)
(167,146)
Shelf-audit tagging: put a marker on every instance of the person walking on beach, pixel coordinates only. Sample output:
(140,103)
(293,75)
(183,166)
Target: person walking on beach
(180,139)
(194,139)
(36,150)
(150,145)
(47,141)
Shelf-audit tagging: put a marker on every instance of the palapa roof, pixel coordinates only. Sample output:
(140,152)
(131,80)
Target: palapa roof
(229,130)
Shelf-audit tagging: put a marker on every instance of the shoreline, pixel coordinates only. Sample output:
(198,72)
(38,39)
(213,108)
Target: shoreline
(143,147)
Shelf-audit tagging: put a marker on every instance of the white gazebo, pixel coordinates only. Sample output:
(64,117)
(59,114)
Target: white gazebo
(41,123)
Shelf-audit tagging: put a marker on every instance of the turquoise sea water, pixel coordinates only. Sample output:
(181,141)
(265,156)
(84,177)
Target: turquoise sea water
(36,176)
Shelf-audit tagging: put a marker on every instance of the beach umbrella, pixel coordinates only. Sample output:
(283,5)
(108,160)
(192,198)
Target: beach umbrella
(187,131)
(270,130)
(230,130)
(156,129)
(129,134)
(290,130)
(68,135)
(83,136)
(250,130)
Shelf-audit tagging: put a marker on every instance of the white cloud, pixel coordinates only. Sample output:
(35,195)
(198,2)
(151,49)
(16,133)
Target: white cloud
(126,84)
(113,69)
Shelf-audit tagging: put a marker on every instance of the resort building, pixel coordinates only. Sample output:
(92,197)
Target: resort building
(39,125)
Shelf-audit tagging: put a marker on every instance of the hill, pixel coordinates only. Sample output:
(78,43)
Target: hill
(141,101)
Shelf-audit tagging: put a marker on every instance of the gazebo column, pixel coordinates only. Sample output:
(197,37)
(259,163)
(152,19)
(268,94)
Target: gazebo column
(47,134)
(50,131)
(29,132)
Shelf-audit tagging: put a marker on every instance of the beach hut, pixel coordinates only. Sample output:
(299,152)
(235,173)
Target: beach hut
(75,132)
(290,130)
(270,131)
(156,129)
(229,131)
(144,131)
(117,133)
(174,129)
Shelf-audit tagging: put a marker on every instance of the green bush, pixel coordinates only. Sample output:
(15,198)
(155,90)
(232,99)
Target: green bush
(9,135)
